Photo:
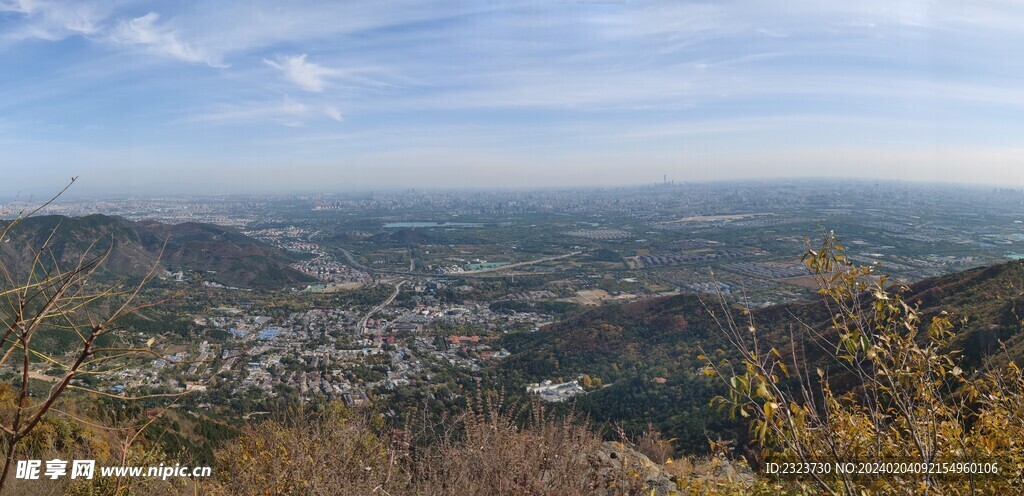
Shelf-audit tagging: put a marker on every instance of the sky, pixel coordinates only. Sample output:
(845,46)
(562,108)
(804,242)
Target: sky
(321,96)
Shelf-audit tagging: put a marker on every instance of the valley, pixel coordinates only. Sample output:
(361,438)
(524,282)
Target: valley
(365,301)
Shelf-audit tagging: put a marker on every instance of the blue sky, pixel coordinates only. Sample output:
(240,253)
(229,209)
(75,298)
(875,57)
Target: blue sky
(249,96)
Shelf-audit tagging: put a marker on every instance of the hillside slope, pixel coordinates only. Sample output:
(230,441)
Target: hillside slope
(990,298)
(646,352)
(223,254)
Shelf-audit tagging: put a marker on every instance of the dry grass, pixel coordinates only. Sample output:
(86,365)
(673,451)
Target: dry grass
(487,453)
(484,451)
(330,453)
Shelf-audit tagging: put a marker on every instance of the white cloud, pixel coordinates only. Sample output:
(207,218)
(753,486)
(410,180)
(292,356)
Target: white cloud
(306,75)
(333,113)
(161,39)
(53,21)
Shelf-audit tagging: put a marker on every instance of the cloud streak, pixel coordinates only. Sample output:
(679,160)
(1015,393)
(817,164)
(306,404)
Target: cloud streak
(51,20)
(306,75)
(286,113)
(637,85)
(161,39)
(333,113)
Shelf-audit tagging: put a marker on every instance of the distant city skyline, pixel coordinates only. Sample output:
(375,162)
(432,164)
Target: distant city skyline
(233,97)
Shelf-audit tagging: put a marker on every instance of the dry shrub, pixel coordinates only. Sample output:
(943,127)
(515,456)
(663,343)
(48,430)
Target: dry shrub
(488,453)
(333,452)
(650,443)
(714,474)
(904,396)
(489,450)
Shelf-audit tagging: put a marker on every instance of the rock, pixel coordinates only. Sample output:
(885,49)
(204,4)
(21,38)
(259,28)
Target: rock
(623,469)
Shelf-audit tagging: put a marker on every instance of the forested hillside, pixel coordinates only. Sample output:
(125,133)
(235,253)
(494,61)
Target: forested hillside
(216,253)
(630,348)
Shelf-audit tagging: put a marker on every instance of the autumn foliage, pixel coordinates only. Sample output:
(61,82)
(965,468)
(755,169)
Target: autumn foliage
(881,384)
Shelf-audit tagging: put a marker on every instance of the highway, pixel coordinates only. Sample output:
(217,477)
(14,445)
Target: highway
(394,294)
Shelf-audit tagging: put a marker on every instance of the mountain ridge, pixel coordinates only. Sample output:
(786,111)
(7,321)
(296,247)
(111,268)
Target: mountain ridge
(224,254)
(646,353)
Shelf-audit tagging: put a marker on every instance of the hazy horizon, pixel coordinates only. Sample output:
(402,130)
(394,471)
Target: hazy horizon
(77,193)
(155,98)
